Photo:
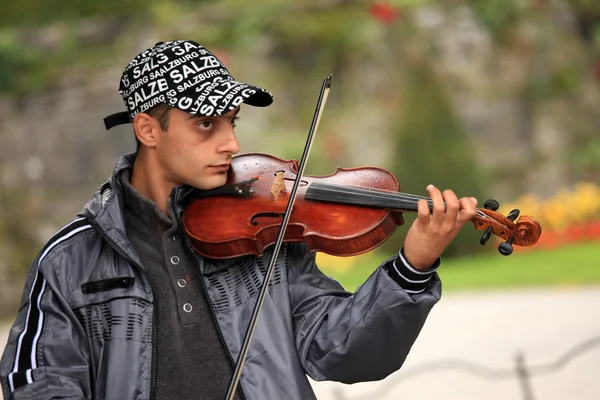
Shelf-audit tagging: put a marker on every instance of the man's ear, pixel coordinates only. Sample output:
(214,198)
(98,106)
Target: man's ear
(146,129)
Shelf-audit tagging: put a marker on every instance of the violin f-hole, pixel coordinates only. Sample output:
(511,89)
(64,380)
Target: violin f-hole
(254,222)
(302,181)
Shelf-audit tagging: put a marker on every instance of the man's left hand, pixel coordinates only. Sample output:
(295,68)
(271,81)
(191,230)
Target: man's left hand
(433,231)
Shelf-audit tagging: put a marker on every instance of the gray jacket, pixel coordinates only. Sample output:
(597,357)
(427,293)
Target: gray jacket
(85,326)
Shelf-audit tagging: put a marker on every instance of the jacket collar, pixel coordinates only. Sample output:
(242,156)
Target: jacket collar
(106,212)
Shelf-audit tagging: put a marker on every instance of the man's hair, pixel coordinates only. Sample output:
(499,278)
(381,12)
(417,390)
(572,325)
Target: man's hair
(161,113)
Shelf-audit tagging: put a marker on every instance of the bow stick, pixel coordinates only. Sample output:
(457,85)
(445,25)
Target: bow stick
(288,211)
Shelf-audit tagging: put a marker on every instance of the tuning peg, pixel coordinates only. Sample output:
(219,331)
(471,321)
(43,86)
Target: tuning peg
(486,235)
(506,248)
(513,215)
(491,204)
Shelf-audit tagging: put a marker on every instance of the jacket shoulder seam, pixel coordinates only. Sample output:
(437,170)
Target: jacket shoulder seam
(62,240)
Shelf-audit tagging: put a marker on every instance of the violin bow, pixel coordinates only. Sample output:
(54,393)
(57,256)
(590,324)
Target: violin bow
(288,211)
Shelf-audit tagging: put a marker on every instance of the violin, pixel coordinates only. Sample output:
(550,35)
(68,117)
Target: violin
(346,213)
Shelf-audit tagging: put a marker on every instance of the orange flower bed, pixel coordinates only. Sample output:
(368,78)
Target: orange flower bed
(569,217)
(575,233)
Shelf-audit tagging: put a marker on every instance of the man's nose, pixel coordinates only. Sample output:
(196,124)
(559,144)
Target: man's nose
(231,143)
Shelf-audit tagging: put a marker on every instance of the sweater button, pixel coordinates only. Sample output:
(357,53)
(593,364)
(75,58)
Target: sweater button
(187,307)
(175,260)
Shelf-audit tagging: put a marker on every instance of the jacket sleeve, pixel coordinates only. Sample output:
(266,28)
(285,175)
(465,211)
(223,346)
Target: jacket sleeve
(45,357)
(357,337)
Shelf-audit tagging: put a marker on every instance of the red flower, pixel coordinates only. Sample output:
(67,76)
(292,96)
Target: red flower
(596,70)
(384,12)
(539,4)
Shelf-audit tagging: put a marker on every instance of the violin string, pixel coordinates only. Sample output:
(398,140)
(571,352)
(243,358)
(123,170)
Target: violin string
(429,201)
(411,200)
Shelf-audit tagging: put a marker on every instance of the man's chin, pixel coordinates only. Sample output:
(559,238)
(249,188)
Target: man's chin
(212,183)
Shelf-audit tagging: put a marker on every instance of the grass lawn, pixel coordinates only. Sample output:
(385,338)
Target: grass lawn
(567,266)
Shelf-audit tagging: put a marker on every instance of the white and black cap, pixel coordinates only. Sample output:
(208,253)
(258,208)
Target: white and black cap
(184,75)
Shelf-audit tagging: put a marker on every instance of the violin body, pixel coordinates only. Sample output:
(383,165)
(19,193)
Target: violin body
(226,226)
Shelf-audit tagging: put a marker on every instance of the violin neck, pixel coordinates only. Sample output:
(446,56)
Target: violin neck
(371,198)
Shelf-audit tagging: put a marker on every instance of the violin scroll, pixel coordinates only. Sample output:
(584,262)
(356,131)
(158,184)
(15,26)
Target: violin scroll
(525,232)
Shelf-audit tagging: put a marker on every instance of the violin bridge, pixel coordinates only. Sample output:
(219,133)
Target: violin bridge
(278,185)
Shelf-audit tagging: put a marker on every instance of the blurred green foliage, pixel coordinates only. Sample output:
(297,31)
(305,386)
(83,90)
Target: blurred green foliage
(432,148)
(15,65)
(39,12)
(497,15)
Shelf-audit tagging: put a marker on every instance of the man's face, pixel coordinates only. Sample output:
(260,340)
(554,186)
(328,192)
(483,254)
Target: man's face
(196,151)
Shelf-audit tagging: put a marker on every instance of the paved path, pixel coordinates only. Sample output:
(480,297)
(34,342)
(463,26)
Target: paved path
(488,329)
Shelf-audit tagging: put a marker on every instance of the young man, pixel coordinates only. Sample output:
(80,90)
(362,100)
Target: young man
(117,305)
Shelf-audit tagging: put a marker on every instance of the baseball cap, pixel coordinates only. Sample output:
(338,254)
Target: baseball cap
(184,75)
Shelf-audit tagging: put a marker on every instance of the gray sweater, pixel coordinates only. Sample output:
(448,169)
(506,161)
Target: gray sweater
(192,362)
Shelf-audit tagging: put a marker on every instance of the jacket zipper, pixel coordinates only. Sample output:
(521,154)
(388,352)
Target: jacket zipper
(240,391)
(120,252)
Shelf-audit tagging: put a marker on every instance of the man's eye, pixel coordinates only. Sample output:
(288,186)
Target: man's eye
(205,124)
(234,120)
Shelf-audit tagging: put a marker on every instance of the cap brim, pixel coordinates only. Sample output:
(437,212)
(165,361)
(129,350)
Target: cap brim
(210,101)
(220,99)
